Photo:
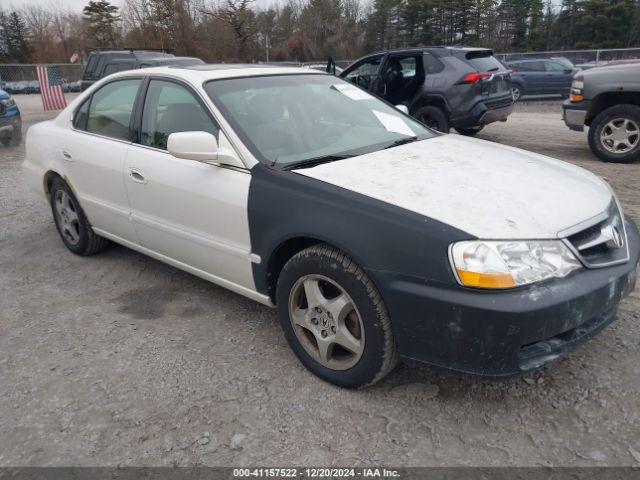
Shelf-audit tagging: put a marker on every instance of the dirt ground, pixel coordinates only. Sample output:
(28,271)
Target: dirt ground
(121,360)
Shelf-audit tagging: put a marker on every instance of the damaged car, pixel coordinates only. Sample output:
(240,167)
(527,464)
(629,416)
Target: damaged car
(376,238)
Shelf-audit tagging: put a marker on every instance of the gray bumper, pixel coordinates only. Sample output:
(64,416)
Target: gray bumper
(574,115)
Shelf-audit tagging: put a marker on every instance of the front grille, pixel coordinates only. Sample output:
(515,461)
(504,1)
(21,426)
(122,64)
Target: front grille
(602,243)
(499,103)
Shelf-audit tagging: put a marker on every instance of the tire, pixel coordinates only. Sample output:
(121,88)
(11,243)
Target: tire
(12,141)
(433,118)
(469,131)
(325,273)
(517,91)
(71,222)
(623,116)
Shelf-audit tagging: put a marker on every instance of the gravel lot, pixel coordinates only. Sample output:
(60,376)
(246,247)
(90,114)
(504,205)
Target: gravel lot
(121,360)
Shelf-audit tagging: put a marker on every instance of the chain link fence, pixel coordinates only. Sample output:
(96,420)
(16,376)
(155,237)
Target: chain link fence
(21,78)
(580,58)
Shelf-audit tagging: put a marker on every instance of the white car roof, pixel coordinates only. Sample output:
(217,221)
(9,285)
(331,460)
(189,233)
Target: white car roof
(200,73)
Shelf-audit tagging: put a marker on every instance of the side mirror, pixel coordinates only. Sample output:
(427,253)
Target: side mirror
(403,108)
(202,147)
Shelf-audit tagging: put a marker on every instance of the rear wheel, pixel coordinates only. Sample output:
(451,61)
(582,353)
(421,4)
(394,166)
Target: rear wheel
(614,135)
(72,224)
(469,131)
(433,118)
(516,92)
(334,318)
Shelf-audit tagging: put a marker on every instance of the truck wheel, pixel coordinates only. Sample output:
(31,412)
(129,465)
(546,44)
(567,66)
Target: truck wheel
(334,318)
(614,135)
(433,118)
(469,131)
(71,222)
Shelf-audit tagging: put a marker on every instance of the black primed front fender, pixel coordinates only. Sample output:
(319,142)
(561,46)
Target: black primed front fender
(378,236)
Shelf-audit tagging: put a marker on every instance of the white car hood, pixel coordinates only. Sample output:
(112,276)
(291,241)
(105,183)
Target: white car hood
(486,189)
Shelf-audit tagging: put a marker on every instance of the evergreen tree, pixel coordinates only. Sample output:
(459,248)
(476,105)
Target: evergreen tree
(14,41)
(102,20)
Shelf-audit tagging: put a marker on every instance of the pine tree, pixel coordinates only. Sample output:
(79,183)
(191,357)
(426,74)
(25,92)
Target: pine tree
(102,19)
(14,41)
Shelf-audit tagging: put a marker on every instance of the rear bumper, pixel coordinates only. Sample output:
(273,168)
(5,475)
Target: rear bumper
(486,112)
(502,334)
(575,114)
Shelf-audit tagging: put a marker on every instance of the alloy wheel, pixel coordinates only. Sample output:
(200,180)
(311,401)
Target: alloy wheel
(67,217)
(326,322)
(620,135)
(515,92)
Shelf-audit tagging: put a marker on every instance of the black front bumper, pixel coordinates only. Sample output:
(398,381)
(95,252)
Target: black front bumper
(504,333)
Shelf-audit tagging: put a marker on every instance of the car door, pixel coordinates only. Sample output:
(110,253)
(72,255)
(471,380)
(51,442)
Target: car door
(94,152)
(367,74)
(190,212)
(536,77)
(559,77)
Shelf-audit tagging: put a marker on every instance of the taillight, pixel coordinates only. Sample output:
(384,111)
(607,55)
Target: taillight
(475,77)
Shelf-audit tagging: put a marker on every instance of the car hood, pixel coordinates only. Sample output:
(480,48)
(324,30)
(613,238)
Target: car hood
(485,189)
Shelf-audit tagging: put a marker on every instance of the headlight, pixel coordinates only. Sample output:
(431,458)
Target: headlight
(9,103)
(576,89)
(506,264)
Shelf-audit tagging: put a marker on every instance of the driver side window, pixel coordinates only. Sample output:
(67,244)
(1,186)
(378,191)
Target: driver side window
(363,73)
(171,108)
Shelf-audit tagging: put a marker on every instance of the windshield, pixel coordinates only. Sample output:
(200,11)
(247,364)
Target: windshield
(287,119)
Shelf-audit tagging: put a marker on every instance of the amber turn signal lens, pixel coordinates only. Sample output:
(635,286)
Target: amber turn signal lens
(576,98)
(486,280)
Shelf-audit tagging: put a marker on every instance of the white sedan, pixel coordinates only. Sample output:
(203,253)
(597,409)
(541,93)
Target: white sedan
(375,237)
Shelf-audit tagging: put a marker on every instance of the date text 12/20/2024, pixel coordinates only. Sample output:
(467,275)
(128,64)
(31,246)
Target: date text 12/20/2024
(315,473)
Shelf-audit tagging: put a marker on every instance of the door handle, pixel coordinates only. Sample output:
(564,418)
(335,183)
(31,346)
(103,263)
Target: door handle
(67,156)
(136,176)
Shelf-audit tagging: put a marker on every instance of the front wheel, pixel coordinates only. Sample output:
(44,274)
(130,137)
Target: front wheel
(614,135)
(334,318)
(433,118)
(469,131)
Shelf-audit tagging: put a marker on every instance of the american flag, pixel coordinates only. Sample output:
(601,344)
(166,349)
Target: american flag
(50,81)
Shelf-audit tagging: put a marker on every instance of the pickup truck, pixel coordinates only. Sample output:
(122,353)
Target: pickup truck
(607,100)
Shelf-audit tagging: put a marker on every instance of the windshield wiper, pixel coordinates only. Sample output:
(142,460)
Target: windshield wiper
(312,162)
(402,141)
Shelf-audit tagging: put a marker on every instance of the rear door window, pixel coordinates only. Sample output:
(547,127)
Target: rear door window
(80,118)
(408,67)
(111,107)
(537,66)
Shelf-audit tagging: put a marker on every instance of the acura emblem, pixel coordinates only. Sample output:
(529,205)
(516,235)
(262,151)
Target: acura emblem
(614,235)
